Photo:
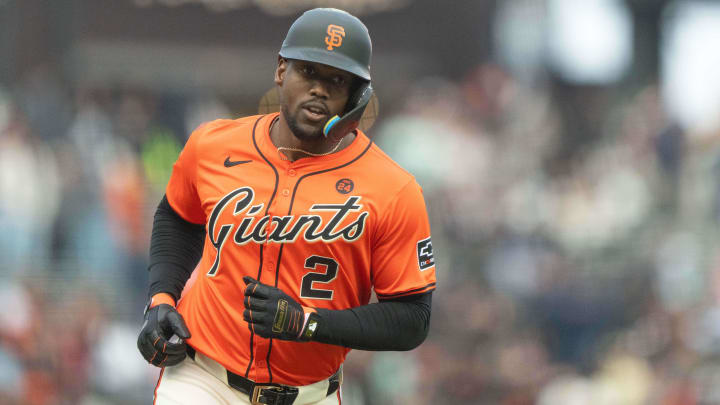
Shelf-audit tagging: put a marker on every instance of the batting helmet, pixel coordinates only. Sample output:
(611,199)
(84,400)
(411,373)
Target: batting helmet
(332,37)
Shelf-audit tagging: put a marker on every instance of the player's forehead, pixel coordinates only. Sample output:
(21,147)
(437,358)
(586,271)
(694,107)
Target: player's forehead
(323,69)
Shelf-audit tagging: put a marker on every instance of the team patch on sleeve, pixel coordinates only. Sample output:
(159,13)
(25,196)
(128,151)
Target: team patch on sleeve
(425,254)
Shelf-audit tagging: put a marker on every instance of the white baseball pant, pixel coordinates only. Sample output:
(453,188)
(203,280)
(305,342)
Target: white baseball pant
(196,381)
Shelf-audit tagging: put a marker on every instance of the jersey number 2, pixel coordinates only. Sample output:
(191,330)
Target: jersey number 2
(307,289)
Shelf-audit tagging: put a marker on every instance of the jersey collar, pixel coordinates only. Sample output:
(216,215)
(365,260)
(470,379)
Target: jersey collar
(271,152)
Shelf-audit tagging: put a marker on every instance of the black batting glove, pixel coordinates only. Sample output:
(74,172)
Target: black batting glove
(161,322)
(271,313)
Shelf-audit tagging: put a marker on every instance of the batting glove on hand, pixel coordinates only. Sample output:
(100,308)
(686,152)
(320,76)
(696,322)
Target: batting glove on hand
(161,322)
(271,313)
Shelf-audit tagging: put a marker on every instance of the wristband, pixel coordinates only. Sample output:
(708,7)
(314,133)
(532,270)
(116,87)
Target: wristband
(161,298)
(310,324)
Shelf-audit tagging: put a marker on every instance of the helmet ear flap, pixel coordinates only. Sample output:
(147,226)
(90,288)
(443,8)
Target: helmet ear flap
(358,101)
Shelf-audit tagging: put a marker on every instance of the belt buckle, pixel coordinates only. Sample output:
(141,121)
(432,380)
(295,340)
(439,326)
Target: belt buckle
(257,391)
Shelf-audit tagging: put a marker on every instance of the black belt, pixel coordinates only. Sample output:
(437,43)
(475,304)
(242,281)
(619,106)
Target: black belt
(270,393)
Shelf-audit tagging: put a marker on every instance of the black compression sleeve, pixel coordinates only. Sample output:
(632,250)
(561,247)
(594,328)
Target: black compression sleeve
(399,324)
(176,246)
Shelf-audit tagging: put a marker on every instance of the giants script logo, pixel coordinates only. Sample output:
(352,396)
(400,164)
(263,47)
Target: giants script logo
(335,36)
(285,229)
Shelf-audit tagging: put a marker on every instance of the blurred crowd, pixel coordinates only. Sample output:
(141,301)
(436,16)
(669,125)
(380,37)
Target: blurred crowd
(576,244)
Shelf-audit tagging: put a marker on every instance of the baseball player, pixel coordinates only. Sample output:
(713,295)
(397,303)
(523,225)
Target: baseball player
(292,219)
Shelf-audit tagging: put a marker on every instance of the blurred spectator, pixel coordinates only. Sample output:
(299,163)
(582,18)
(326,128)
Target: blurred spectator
(29,194)
(43,98)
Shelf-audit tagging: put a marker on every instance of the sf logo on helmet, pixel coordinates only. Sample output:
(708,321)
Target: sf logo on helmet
(334,37)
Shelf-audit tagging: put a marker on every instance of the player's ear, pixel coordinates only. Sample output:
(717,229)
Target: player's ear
(281,69)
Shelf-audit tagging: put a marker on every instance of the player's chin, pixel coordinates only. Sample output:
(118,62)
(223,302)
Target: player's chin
(305,129)
(308,132)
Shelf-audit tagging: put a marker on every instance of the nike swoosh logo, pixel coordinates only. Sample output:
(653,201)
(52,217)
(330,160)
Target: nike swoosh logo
(230,163)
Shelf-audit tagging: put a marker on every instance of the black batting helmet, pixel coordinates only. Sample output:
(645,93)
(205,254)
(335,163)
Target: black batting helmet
(332,37)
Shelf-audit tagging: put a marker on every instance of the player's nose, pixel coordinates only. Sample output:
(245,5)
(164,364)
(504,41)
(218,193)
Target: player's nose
(319,89)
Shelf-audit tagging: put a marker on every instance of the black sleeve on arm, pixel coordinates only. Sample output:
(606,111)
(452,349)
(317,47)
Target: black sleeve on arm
(398,324)
(176,246)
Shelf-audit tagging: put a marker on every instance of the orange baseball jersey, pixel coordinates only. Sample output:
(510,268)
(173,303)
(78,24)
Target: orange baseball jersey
(326,230)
